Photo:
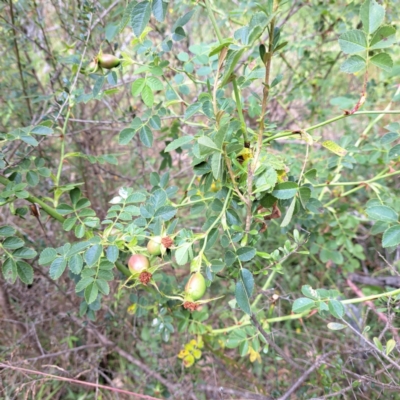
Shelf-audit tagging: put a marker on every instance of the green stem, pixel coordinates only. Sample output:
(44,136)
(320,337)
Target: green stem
(280,135)
(213,20)
(305,313)
(376,178)
(344,195)
(64,129)
(328,121)
(372,297)
(339,117)
(35,200)
(121,267)
(240,110)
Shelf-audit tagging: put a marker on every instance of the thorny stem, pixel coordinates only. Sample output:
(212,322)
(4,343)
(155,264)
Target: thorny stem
(28,103)
(64,131)
(370,344)
(305,313)
(35,200)
(376,178)
(252,166)
(53,213)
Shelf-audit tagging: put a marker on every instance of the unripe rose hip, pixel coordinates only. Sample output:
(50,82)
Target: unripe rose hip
(138,263)
(108,61)
(154,246)
(195,287)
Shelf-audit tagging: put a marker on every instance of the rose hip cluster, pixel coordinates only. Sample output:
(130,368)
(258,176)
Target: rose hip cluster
(139,266)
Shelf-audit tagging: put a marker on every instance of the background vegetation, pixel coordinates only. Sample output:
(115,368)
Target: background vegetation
(261,138)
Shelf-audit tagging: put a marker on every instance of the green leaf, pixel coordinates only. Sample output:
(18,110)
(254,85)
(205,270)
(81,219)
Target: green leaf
(93,254)
(182,253)
(80,246)
(82,203)
(10,270)
(248,281)
(232,59)
(285,190)
(158,198)
(182,21)
(75,264)
(91,292)
(147,96)
(47,256)
(305,195)
(353,64)
(112,253)
(138,86)
(159,8)
(289,214)
(127,15)
(352,42)
(308,291)
(216,165)
(372,15)
(384,37)
(25,252)
(98,85)
(391,236)
(154,83)
(57,268)
(334,148)
(146,136)
(390,345)
(64,209)
(69,223)
(75,195)
(32,178)
(42,130)
(140,17)
(25,272)
(207,145)
(241,298)
(382,213)
(166,213)
(327,255)
(192,109)
(335,326)
(336,308)
(382,61)
(6,231)
(110,31)
(378,343)
(244,290)
(80,231)
(217,49)
(83,283)
(13,243)
(302,304)
(246,253)
(126,135)
(244,348)
(394,152)
(103,286)
(178,143)
(136,198)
